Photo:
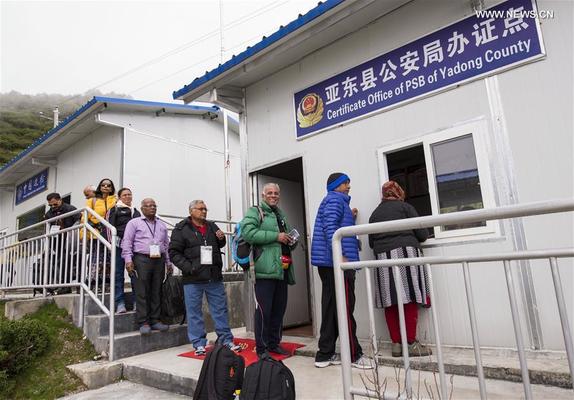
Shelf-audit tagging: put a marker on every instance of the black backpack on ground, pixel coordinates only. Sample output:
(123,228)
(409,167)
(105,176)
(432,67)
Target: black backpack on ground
(268,379)
(221,375)
(172,300)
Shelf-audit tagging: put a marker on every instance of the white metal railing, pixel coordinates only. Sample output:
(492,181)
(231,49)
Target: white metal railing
(75,257)
(228,265)
(521,210)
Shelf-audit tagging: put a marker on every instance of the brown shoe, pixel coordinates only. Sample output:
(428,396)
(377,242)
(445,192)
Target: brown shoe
(416,349)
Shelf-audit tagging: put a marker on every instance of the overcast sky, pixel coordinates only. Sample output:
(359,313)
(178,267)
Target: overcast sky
(145,49)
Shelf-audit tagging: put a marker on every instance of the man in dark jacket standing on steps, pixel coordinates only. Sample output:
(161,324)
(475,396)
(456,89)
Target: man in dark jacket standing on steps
(334,213)
(195,249)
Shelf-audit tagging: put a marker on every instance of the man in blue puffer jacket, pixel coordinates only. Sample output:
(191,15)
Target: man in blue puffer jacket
(334,213)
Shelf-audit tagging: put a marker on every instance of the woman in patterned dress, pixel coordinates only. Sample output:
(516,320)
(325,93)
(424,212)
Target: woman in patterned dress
(394,245)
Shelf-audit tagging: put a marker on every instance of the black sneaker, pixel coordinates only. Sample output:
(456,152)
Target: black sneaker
(279,350)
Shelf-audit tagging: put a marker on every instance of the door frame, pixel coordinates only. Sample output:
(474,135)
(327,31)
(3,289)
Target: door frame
(252,193)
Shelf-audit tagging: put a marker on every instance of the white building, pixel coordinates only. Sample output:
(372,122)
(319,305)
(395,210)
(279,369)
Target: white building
(171,152)
(466,111)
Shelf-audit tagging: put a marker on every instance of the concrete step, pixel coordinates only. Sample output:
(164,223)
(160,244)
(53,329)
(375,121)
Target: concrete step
(99,324)
(132,343)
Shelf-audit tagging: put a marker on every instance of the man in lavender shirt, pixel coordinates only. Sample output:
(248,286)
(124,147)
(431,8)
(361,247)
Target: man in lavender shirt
(145,251)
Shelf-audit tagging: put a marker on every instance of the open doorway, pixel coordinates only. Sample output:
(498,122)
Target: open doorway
(289,175)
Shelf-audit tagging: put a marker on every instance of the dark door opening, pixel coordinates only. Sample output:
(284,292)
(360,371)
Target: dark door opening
(289,175)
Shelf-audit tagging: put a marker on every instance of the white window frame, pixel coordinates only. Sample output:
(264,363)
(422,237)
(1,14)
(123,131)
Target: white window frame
(479,131)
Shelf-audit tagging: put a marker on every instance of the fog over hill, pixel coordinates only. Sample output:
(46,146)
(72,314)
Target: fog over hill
(24,118)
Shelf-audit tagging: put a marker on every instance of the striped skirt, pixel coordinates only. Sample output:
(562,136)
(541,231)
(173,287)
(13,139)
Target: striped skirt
(414,280)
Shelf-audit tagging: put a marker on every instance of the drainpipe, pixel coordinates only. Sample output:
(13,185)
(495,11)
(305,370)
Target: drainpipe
(226,166)
(248,291)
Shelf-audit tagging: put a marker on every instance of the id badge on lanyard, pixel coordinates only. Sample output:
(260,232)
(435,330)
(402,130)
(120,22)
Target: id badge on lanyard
(206,255)
(154,251)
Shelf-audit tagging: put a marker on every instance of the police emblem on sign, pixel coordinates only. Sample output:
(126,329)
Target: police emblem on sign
(310,110)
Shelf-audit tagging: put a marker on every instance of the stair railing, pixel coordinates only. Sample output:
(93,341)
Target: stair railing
(76,257)
(505,212)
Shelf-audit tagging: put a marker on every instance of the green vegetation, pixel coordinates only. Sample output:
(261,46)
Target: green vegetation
(46,376)
(20,120)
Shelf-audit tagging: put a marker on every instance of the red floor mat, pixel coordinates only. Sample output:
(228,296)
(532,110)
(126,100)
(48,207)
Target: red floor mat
(248,353)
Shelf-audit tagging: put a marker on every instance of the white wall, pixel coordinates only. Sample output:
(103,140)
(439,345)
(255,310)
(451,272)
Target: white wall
(88,161)
(168,158)
(539,159)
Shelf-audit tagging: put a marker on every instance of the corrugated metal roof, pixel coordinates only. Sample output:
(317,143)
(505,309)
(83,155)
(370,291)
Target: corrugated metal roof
(282,32)
(98,100)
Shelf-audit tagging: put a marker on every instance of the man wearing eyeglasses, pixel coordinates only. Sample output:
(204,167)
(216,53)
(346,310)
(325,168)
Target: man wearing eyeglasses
(145,251)
(195,249)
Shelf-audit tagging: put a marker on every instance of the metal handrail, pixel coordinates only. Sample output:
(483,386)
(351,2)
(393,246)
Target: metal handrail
(521,210)
(49,250)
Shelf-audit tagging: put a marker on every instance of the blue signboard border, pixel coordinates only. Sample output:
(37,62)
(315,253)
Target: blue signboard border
(45,187)
(451,86)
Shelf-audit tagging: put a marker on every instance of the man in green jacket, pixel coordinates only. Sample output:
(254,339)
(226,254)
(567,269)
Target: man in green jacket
(266,229)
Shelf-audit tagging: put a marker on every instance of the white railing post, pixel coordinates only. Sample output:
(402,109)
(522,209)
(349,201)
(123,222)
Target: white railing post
(474,330)
(437,335)
(82,277)
(403,329)
(563,316)
(112,293)
(342,316)
(46,261)
(517,330)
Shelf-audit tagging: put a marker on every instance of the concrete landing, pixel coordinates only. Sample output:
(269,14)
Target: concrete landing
(124,391)
(165,370)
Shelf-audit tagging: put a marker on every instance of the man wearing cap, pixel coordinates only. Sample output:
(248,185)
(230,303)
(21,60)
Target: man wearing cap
(334,212)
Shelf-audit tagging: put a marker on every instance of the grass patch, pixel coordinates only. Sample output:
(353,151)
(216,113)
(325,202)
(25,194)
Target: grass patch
(48,377)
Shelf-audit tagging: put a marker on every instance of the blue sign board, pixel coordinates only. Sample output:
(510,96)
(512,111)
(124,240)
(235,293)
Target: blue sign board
(487,42)
(32,186)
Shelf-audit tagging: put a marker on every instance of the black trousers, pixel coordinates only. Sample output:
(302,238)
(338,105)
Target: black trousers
(272,302)
(329,324)
(150,274)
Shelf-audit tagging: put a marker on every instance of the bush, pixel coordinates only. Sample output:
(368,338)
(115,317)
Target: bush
(20,343)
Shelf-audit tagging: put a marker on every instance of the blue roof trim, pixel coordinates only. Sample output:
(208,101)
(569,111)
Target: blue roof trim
(88,105)
(115,100)
(266,42)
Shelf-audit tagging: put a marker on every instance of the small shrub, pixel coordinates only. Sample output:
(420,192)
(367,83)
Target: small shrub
(20,343)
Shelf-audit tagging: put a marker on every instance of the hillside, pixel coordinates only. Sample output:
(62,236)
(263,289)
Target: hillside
(21,121)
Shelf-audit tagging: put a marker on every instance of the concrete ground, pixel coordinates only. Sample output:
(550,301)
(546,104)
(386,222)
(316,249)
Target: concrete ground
(125,391)
(326,383)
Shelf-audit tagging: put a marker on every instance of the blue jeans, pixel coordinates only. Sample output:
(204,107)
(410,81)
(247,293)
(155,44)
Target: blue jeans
(120,268)
(217,302)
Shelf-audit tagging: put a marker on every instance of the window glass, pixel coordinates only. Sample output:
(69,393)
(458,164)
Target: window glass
(30,218)
(457,179)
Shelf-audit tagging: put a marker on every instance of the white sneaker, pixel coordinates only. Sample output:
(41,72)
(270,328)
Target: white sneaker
(200,351)
(233,347)
(121,309)
(364,363)
(334,360)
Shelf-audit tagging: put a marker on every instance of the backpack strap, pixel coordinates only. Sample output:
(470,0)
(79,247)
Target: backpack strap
(211,392)
(261,214)
(202,377)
